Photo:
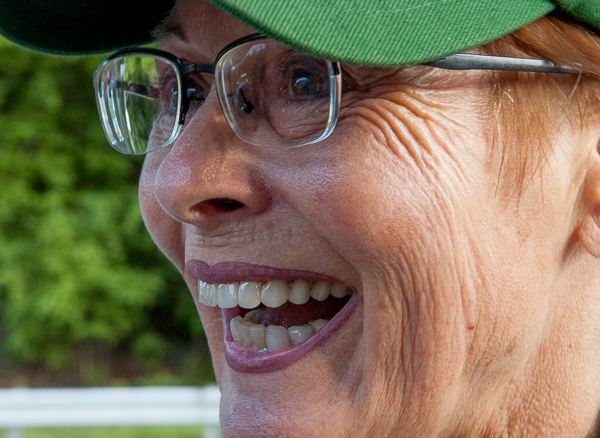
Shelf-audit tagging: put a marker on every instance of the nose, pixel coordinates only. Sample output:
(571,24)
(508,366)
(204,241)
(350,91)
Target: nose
(209,176)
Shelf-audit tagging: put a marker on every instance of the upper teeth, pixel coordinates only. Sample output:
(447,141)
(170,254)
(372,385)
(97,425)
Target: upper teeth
(271,293)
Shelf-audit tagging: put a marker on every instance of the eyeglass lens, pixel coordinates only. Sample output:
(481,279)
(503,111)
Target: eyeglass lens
(139,102)
(274,96)
(271,96)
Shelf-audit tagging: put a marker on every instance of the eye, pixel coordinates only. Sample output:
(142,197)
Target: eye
(197,89)
(168,91)
(301,76)
(305,82)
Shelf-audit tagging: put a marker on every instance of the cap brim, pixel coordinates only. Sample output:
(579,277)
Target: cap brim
(75,27)
(368,32)
(386,32)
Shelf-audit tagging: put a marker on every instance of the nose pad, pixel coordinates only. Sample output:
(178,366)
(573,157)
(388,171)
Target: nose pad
(246,106)
(209,176)
(208,105)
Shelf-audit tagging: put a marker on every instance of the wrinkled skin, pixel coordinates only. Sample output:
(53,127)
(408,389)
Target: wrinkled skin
(478,308)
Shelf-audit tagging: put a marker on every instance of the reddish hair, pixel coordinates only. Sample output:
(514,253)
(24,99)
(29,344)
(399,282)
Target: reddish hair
(527,104)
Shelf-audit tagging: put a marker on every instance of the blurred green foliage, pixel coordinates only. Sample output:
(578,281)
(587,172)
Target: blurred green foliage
(77,267)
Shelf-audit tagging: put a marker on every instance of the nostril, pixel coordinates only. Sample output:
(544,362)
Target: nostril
(226,204)
(215,206)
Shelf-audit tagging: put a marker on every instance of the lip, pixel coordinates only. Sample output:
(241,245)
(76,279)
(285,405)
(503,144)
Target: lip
(239,357)
(231,272)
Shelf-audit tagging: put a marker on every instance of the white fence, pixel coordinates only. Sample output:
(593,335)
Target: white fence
(25,408)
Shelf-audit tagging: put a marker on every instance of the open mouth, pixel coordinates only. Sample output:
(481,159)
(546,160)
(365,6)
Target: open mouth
(266,316)
(272,317)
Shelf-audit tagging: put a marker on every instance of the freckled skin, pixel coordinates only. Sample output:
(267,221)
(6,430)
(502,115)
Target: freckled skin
(475,315)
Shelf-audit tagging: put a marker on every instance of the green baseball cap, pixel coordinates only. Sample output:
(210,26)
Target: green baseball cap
(369,32)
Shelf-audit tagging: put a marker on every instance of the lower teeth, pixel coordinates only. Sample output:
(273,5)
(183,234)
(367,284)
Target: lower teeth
(257,337)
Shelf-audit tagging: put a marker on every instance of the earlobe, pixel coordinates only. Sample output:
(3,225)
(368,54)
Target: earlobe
(588,231)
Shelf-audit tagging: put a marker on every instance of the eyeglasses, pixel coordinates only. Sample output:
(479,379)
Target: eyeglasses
(271,95)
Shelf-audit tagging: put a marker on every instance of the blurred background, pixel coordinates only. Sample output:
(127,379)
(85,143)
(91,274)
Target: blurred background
(86,299)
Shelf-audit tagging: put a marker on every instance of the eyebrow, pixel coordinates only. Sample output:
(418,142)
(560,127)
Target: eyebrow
(171,26)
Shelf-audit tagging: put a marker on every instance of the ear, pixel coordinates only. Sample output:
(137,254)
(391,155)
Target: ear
(588,232)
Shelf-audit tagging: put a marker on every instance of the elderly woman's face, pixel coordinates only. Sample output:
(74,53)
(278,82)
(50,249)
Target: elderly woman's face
(451,312)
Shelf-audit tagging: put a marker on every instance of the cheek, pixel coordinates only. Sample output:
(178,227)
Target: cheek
(167,233)
(389,193)
(408,200)
(394,175)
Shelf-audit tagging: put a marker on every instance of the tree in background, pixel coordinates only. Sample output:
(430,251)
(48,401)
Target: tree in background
(82,286)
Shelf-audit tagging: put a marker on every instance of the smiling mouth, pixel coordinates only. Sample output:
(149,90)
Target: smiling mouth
(273,315)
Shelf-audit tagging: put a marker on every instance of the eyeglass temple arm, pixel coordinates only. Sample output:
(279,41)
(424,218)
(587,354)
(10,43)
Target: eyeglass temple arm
(138,90)
(467,61)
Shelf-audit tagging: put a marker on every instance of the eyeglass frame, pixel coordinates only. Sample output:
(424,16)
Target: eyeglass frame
(459,61)
(183,70)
